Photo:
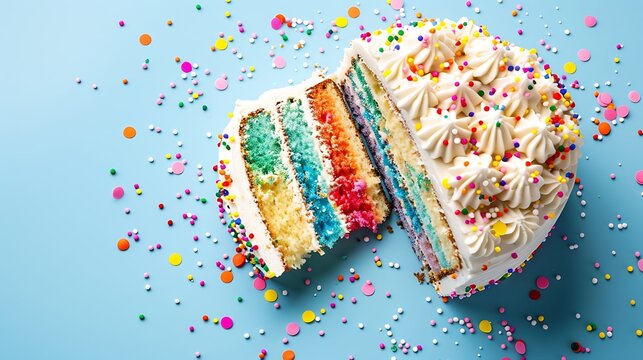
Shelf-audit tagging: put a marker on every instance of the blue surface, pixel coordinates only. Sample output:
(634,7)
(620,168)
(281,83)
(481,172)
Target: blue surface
(68,293)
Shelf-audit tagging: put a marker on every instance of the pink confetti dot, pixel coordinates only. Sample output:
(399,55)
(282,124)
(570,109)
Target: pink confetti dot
(186,67)
(584,55)
(178,167)
(634,96)
(610,114)
(259,284)
(226,323)
(623,111)
(641,265)
(118,192)
(292,329)
(368,289)
(275,23)
(590,21)
(221,84)
(542,282)
(639,179)
(521,347)
(279,62)
(604,99)
(397,4)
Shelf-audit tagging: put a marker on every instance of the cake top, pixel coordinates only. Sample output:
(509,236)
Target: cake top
(496,122)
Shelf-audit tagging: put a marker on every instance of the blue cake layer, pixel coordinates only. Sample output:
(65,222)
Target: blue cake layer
(308,168)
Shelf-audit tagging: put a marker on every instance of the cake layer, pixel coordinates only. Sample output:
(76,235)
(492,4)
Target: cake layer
(357,190)
(276,191)
(307,162)
(400,163)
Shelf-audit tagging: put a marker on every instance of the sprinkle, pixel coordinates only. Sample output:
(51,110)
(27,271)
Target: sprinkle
(259,284)
(221,83)
(292,329)
(178,167)
(485,326)
(590,21)
(279,62)
(542,282)
(276,23)
(308,316)
(634,96)
(270,295)
(521,347)
(341,22)
(122,244)
(368,289)
(397,4)
(353,12)
(145,39)
(186,67)
(129,132)
(604,128)
(288,355)
(638,176)
(175,259)
(221,44)
(226,322)
(584,55)
(118,192)
(569,67)
(227,277)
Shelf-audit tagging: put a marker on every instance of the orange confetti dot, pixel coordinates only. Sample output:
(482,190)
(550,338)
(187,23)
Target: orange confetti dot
(169,23)
(123,244)
(353,12)
(145,39)
(604,128)
(129,132)
(288,355)
(281,17)
(125,81)
(227,277)
(238,260)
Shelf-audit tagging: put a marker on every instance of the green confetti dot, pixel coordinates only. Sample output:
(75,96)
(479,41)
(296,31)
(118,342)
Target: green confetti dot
(204,200)
(141,317)
(112,171)
(204,107)
(181,104)
(198,6)
(239,299)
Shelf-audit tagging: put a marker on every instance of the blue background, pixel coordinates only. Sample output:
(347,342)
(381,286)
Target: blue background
(68,293)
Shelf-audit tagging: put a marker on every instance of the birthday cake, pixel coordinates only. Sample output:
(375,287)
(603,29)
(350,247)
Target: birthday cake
(476,143)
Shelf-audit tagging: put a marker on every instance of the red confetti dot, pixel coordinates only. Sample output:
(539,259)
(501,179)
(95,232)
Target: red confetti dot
(534,294)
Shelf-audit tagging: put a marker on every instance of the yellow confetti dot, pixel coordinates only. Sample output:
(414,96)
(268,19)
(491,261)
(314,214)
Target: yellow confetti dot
(221,44)
(322,311)
(485,326)
(541,318)
(378,263)
(227,14)
(168,156)
(497,249)
(608,276)
(215,320)
(445,183)
(175,259)
(639,332)
(252,69)
(499,228)
(632,302)
(340,297)
(308,316)
(617,60)
(630,268)
(341,22)
(139,191)
(601,335)
(270,295)
(589,328)
(569,67)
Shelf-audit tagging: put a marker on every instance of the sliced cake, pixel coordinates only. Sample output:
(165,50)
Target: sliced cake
(295,176)
(476,141)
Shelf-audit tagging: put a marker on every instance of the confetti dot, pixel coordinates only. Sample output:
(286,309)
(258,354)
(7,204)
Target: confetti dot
(259,284)
(569,67)
(623,111)
(341,22)
(499,228)
(129,132)
(534,294)
(227,277)
(145,39)
(397,4)
(118,192)
(175,259)
(238,260)
(288,355)
(521,347)
(634,96)
(639,179)
(308,316)
(270,295)
(368,289)
(604,99)
(584,55)
(590,21)
(276,23)
(186,67)
(542,282)
(221,44)
(226,322)
(221,84)
(122,244)
(485,326)
(292,329)
(279,62)
(178,168)
(354,12)
(610,114)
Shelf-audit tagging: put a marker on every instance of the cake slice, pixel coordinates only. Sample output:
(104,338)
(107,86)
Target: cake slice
(476,141)
(295,176)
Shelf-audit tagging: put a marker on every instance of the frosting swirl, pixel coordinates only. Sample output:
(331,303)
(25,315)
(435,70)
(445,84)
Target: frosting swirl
(416,97)
(554,188)
(537,138)
(521,183)
(458,91)
(444,135)
(494,132)
(475,181)
(485,58)
(521,226)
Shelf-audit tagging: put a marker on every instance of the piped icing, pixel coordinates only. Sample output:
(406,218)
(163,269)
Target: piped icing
(444,135)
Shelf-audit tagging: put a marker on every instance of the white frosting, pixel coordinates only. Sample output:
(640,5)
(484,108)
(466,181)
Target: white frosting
(417,97)
(500,82)
(444,135)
